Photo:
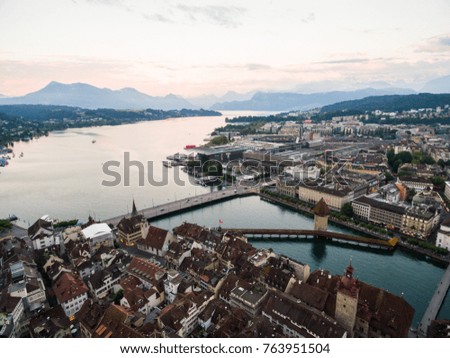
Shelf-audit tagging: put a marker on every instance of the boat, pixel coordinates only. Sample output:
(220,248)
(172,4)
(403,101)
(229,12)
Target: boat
(94,141)
(167,164)
(190,146)
(21,155)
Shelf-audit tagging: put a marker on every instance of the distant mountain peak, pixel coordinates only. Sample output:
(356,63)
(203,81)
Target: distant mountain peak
(88,96)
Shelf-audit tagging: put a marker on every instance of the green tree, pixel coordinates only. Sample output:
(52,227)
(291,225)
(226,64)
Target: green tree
(347,210)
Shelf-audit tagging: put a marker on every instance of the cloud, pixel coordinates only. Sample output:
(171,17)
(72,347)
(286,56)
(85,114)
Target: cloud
(308,19)
(435,44)
(343,61)
(157,18)
(227,16)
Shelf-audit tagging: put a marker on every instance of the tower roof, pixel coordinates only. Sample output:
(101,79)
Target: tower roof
(134,212)
(321,208)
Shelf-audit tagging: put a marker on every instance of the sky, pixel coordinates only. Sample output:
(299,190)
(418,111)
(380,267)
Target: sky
(209,47)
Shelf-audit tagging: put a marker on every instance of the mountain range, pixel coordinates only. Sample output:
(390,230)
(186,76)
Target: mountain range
(87,96)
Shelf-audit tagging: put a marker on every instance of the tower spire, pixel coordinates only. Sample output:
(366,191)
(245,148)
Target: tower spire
(134,212)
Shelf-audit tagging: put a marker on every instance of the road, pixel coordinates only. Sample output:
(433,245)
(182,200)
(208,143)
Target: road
(189,203)
(435,303)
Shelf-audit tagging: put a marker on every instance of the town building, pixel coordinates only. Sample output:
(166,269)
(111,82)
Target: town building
(42,234)
(71,292)
(132,229)
(334,197)
(104,282)
(181,317)
(417,183)
(298,320)
(380,212)
(156,241)
(443,235)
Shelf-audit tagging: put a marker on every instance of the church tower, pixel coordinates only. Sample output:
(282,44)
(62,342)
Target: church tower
(347,296)
(321,214)
(134,212)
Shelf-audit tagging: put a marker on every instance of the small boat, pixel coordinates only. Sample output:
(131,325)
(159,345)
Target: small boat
(21,155)
(190,146)
(94,141)
(167,164)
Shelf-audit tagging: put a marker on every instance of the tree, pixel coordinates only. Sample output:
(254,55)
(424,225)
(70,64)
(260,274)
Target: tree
(117,297)
(347,210)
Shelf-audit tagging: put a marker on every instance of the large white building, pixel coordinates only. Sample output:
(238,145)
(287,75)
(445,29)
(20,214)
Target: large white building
(443,236)
(98,235)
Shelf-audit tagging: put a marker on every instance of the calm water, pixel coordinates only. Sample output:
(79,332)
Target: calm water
(61,175)
(398,272)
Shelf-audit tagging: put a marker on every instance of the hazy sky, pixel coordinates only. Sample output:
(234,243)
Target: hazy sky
(210,47)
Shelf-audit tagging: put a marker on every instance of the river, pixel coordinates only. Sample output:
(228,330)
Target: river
(61,175)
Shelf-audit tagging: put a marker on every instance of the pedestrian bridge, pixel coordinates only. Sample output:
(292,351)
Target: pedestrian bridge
(188,203)
(281,234)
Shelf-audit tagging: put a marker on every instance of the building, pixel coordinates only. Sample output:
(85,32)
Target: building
(379,211)
(248,299)
(11,315)
(98,235)
(147,272)
(447,190)
(156,242)
(321,214)
(26,283)
(106,281)
(298,320)
(130,230)
(416,183)
(347,296)
(51,323)
(71,292)
(89,315)
(420,221)
(334,197)
(137,298)
(181,317)
(378,314)
(287,185)
(443,235)
(42,234)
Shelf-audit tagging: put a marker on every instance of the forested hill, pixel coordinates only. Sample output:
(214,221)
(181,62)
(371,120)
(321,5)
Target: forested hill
(391,103)
(47,112)
(24,122)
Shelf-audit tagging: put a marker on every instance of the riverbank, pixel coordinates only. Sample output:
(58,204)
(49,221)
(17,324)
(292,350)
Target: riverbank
(307,210)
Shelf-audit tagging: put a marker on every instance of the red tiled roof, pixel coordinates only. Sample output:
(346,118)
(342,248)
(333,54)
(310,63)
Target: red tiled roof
(155,238)
(67,287)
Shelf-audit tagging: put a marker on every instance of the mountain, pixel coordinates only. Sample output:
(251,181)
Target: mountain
(438,85)
(207,101)
(87,96)
(264,101)
(391,103)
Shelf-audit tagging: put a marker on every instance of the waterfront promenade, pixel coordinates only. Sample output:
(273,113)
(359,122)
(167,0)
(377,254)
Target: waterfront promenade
(189,203)
(435,304)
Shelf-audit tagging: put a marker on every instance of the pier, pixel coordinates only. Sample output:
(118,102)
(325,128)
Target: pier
(281,234)
(435,304)
(189,203)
